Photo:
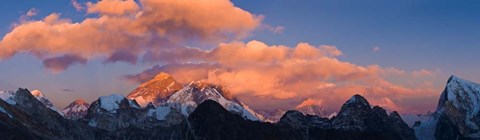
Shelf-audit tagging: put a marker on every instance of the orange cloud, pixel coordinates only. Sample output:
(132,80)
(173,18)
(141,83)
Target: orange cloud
(77,5)
(162,31)
(32,12)
(122,26)
(279,74)
(113,7)
(423,72)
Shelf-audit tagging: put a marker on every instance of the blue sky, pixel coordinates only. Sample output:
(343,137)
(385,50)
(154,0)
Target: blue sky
(439,35)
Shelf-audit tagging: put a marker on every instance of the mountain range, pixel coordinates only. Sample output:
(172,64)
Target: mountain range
(164,109)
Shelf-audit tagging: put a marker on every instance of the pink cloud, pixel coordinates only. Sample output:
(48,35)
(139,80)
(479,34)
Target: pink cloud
(77,5)
(280,74)
(156,27)
(273,29)
(58,64)
(161,31)
(113,7)
(124,56)
(423,72)
(376,49)
(32,12)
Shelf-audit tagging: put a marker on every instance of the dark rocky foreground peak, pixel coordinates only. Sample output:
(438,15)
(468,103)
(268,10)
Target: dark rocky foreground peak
(356,120)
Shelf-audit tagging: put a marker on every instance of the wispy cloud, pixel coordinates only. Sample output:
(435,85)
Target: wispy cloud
(78,6)
(376,49)
(32,12)
(68,90)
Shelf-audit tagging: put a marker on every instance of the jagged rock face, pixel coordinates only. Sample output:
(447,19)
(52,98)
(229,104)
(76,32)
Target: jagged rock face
(298,120)
(76,110)
(187,99)
(312,110)
(271,116)
(115,112)
(311,107)
(211,121)
(112,112)
(457,114)
(353,114)
(40,97)
(37,121)
(157,90)
(459,110)
(357,115)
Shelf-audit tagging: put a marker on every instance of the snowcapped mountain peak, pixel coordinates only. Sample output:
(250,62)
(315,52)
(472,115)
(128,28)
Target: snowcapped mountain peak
(76,110)
(196,92)
(112,103)
(311,107)
(37,93)
(455,78)
(162,75)
(459,92)
(79,102)
(42,98)
(156,90)
(7,96)
(309,102)
(459,105)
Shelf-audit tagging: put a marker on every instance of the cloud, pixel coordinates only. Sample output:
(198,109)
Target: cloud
(124,56)
(113,7)
(376,49)
(278,74)
(173,34)
(58,64)
(32,12)
(156,26)
(424,72)
(77,5)
(273,29)
(68,90)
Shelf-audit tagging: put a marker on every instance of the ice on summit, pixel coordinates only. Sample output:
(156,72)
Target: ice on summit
(44,100)
(111,103)
(195,93)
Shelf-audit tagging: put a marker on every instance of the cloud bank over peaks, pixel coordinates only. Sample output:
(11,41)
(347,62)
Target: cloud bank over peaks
(283,76)
(120,26)
(174,33)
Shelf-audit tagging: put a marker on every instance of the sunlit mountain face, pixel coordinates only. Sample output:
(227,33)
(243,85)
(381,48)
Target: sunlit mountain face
(231,69)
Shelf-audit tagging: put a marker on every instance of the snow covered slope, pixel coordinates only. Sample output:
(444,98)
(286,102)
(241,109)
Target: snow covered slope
(195,93)
(157,90)
(457,115)
(410,119)
(42,98)
(8,96)
(271,116)
(311,107)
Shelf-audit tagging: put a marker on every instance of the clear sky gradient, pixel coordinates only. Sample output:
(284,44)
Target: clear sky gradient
(436,35)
